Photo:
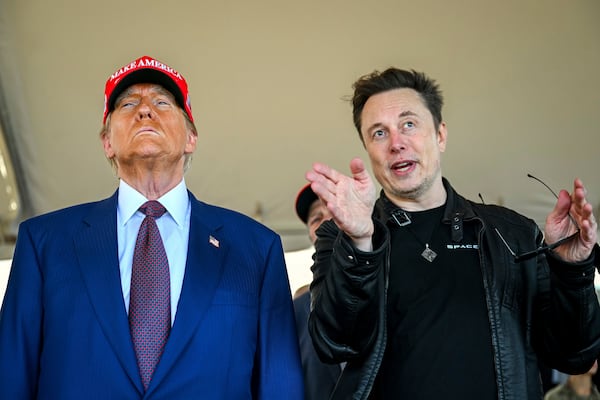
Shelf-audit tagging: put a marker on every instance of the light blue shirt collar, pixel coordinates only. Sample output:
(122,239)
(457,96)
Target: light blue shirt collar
(176,201)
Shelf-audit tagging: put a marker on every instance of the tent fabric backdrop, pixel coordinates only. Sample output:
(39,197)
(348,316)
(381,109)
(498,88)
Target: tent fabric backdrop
(269,83)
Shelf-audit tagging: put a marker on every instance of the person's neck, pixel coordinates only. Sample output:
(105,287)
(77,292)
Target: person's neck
(435,197)
(153,184)
(581,384)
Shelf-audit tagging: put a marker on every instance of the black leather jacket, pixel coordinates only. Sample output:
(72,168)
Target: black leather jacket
(540,308)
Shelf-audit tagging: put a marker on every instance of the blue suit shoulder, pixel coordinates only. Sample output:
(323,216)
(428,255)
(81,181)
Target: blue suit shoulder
(213,215)
(64,218)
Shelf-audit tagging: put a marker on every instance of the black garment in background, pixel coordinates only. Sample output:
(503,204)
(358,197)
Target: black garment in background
(319,378)
(439,342)
(546,376)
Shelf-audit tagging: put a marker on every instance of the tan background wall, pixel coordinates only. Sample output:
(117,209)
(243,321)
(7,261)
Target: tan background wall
(267,78)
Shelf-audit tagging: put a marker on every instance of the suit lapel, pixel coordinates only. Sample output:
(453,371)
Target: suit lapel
(96,249)
(203,270)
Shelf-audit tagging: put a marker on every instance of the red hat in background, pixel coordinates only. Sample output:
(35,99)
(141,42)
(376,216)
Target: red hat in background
(304,200)
(146,70)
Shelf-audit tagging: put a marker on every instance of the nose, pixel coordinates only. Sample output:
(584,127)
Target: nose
(144,110)
(396,142)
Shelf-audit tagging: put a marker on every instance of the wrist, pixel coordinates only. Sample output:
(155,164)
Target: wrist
(364,242)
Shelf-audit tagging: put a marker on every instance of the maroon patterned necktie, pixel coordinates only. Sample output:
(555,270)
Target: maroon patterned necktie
(150,295)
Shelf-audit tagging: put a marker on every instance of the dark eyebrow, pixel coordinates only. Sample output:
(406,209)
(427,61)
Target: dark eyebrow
(408,114)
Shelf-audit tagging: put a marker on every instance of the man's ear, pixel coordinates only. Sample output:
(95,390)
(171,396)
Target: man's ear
(192,140)
(106,144)
(442,136)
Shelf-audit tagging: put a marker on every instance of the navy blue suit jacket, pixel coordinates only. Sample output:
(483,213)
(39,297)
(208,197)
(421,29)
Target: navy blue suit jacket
(319,378)
(64,331)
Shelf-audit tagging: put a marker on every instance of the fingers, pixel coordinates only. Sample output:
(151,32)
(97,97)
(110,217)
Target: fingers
(319,172)
(571,212)
(583,212)
(324,180)
(579,203)
(579,195)
(567,213)
(335,188)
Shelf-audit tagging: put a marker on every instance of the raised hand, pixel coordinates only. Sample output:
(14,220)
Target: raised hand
(350,199)
(572,209)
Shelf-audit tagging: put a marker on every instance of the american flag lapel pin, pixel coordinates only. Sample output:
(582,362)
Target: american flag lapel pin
(212,240)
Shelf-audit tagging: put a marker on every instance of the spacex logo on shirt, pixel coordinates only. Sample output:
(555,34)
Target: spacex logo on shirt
(462,246)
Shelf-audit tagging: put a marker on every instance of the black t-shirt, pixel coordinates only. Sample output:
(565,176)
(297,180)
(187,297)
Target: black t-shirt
(439,342)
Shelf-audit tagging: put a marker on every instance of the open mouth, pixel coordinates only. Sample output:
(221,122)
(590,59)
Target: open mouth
(403,166)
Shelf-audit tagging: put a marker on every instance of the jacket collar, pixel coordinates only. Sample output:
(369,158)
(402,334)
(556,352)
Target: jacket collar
(457,210)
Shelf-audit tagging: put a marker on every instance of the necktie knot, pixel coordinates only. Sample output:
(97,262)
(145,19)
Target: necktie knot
(153,209)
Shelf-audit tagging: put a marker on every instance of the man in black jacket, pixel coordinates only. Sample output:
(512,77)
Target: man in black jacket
(426,294)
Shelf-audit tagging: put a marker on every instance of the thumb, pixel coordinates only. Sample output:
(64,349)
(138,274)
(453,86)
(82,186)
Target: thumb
(563,204)
(357,168)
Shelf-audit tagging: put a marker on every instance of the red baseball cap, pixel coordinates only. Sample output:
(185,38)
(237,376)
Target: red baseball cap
(146,70)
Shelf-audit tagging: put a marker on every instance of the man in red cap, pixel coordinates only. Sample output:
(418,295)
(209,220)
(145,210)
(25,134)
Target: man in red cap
(150,293)
(319,378)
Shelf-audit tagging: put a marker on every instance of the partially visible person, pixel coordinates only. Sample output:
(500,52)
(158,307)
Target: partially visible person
(550,377)
(150,293)
(577,387)
(301,290)
(319,378)
(426,294)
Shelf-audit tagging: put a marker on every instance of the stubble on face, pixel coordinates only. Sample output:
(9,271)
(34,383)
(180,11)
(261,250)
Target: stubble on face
(416,192)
